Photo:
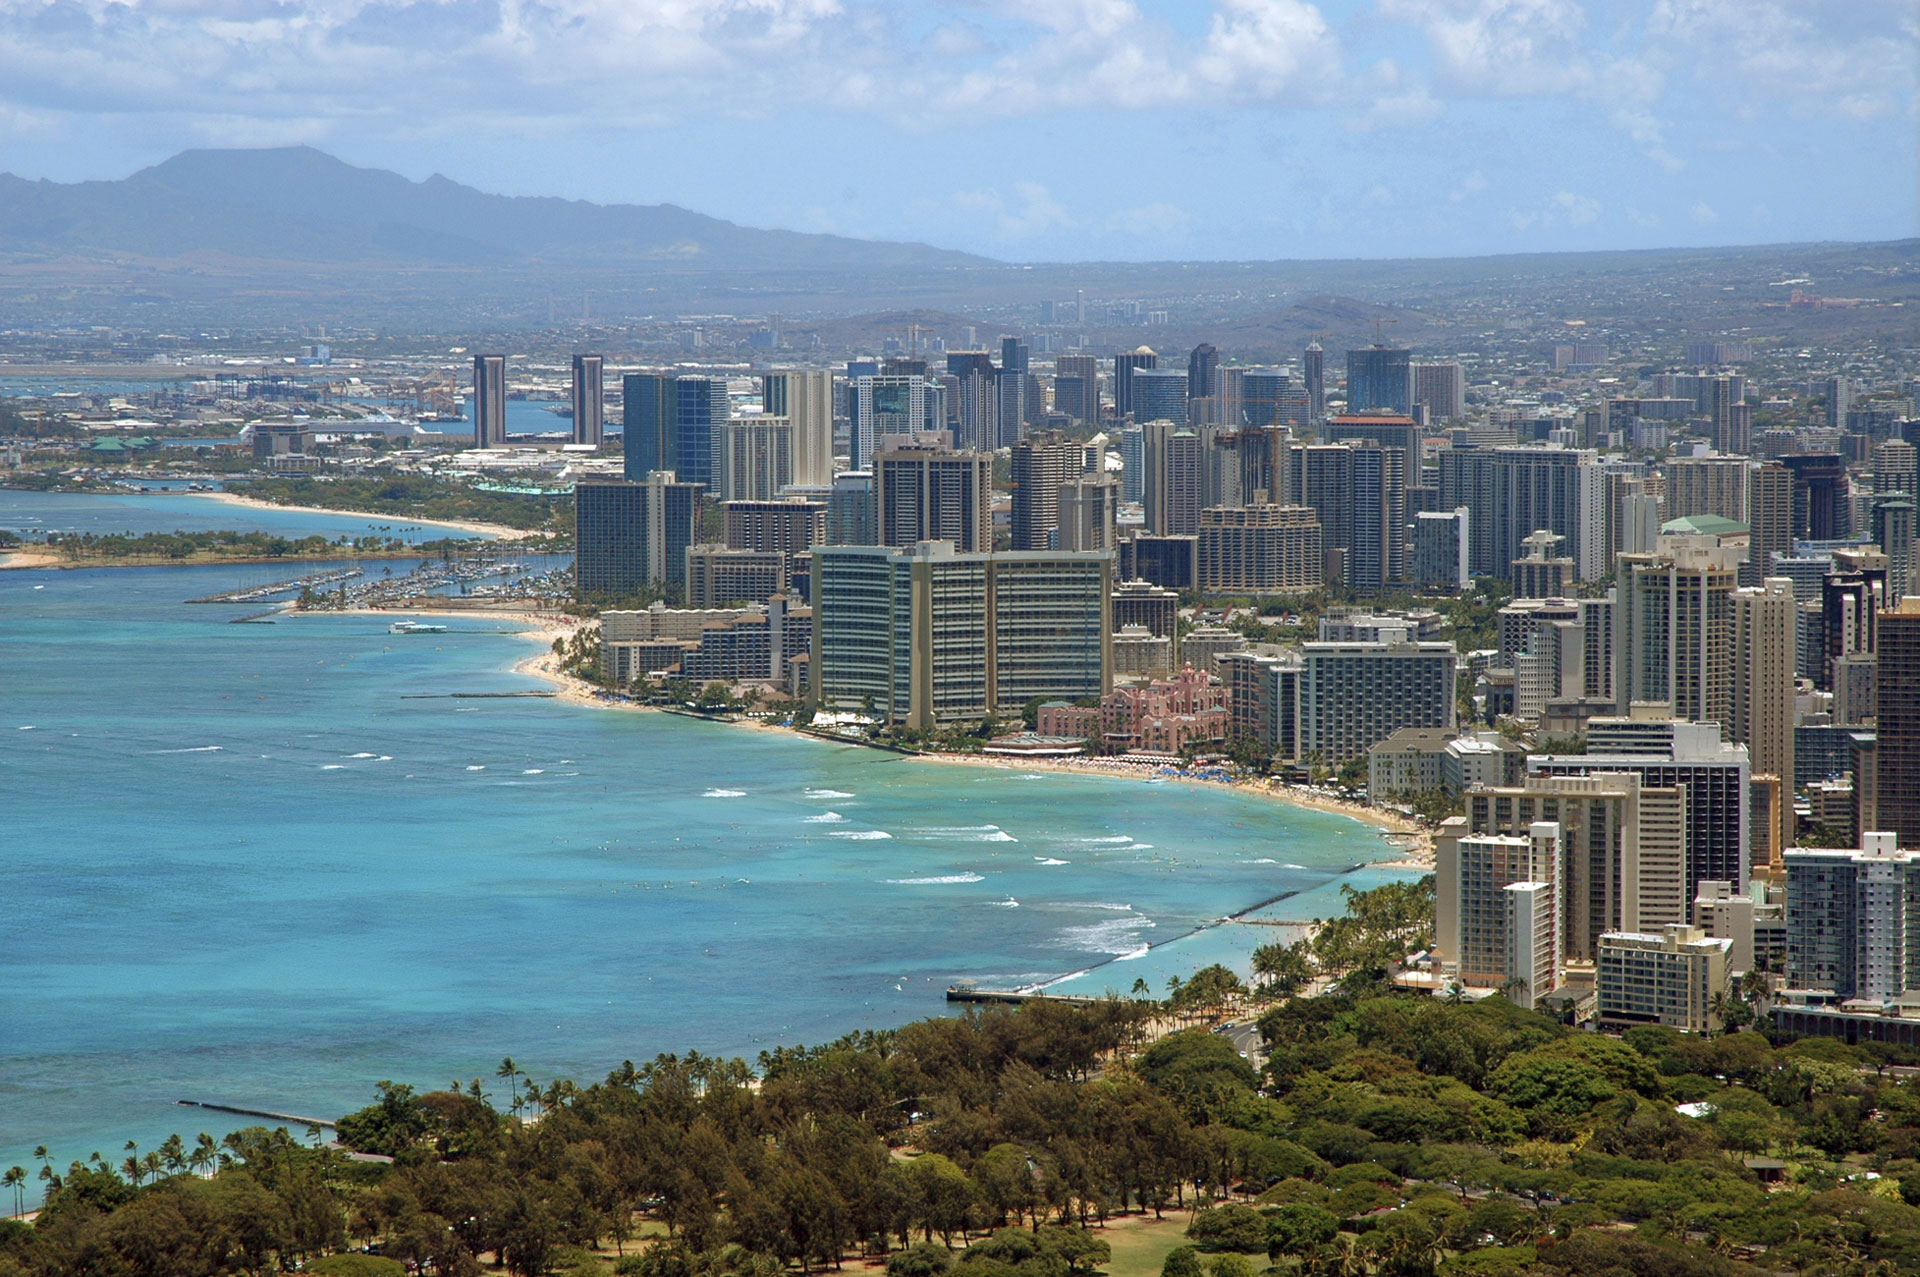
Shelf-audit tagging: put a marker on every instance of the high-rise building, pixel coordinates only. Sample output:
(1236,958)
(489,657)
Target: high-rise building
(701,410)
(1386,429)
(1158,394)
(1313,371)
(1171,485)
(1076,388)
(1890,522)
(1896,468)
(1820,507)
(755,457)
(805,399)
(1260,549)
(1203,373)
(1440,548)
(1543,571)
(1625,843)
(720,577)
(1515,491)
(1354,695)
(1442,387)
(1769,520)
(975,405)
(1678,977)
(628,535)
(851,515)
(1375,552)
(1707,485)
(791,527)
(1040,464)
(1379,379)
(933,494)
(1839,401)
(1666,753)
(1169,561)
(1763,663)
(930,637)
(1897,721)
(650,431)
(1124,366)
(1132,441)
(1272,398)
(1498,914)
(489,401)
(1852,594)
(1852,926)
(1089,514)
(589,400)
(1676,627)
(883,406)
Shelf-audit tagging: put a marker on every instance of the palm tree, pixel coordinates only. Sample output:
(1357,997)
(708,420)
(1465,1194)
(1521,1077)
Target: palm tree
(174,1154)
(131,1167)
(205,1154)
(511,1073)
(14,1178)
(1717,1007)
(150,1164)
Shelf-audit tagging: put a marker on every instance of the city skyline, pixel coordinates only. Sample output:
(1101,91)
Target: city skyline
(1270,128)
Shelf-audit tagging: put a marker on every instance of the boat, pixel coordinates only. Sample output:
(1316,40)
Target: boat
(415,627)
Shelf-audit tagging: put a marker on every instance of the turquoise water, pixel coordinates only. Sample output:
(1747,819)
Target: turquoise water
(36,513)
(270,865)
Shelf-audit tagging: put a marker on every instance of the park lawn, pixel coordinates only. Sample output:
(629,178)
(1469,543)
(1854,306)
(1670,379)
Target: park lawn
(1140,1243)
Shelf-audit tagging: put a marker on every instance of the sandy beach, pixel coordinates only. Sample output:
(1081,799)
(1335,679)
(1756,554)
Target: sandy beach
(499,531)
(1414,844)
(31,559)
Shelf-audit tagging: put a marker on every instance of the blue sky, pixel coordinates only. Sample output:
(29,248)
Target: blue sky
(1039,129)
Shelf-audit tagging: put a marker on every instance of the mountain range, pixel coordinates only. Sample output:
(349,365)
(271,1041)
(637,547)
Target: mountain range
(298,204)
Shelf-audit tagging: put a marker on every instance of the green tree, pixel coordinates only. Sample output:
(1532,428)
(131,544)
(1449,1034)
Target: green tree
(1182,1261)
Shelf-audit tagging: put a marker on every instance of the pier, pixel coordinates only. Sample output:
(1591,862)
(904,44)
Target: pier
(291,1119)
(1014,997)
(259,593)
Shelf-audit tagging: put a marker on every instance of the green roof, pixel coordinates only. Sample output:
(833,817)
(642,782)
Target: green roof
(1705,525)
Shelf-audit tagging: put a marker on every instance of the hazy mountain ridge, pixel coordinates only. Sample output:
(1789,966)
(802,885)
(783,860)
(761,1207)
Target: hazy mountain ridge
(299,204)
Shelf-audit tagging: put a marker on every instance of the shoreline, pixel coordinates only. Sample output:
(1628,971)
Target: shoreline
(498,531)
(1407,845)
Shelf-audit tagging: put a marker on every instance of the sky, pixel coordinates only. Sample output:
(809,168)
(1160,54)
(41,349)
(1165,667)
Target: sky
(1039,130)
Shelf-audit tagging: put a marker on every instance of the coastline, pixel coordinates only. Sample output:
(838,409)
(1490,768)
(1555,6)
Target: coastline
(1408,845)
(498,531)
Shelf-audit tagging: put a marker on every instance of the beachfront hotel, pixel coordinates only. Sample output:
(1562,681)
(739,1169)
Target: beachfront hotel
(932,637)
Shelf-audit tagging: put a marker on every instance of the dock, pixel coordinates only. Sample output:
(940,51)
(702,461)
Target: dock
(260,593)
(290,1119)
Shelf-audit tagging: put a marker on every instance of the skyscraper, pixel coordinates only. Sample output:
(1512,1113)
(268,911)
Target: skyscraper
(976,405)
(755,457)
(589,400)
(1313,370)
(1769,520)
(1273,398)
(1379,379)
(882,406)
(805,399)
(1707,485)
(1891,525)
(1124,366)
(701,408)
(1377,518)
(1076,388)
(1171,485)
(933,494)
(629,535)
(1203,372)
(1839,400)
(1159,394)
(1089,506)
(650,434)
(1897,721)
(489,401)
(1820,510)
(1763,661)
(1442,388)
(1676,636)
(1040,464)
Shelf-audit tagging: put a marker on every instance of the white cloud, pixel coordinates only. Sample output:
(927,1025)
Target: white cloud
(1561,209)
(1470,185)
(1703,213)
(1579,210)
(1033,210)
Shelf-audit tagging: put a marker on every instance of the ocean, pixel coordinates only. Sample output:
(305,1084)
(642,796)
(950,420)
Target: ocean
(271,865)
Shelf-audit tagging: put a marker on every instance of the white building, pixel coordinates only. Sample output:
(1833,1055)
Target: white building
(1669,979)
